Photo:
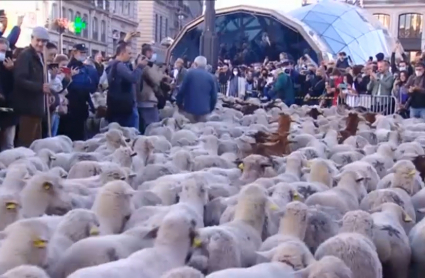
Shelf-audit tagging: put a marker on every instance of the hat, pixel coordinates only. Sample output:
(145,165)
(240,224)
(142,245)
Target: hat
(380,56)
(80,47)
(41,33)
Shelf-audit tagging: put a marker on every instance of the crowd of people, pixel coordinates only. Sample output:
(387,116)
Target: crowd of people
(389,84)
(45,93)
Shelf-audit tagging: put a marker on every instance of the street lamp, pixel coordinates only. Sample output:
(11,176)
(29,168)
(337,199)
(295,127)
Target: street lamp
(209,42)
(180,16)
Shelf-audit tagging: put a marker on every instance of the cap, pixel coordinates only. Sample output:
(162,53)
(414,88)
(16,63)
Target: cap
(41,33)
(380,56)
(80,47)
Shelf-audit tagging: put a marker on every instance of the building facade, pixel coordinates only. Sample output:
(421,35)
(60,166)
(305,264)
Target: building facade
(106,21)
(404,19)
(160,19)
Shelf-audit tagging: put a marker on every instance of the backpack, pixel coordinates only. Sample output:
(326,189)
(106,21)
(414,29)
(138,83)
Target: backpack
(118,103)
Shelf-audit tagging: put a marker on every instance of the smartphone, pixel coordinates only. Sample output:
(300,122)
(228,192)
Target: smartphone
(66,70)
(9,54)
(52,66)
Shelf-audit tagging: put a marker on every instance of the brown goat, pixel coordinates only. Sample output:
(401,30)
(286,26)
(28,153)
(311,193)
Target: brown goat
(277,148)
(352,124)
(370,117)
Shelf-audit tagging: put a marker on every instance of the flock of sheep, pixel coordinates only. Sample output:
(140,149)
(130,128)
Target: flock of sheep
(259,190)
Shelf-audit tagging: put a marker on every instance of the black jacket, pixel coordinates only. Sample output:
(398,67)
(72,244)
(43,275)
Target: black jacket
(6,89)
(28,96)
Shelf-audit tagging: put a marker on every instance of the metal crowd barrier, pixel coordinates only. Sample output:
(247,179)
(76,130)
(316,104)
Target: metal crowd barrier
(385,105)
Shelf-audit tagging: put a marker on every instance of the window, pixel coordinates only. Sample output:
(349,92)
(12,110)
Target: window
(410,26)
(384,19)
(129,7)
(63,12)
(156,28)
(54,12)
(240,36)
(160,29)
(103,31)
(78,14)
(70,14)
(86,30)
(166,27)
(95,29)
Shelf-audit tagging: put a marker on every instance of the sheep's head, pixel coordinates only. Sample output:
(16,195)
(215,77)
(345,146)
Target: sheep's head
(143,146)
(112,174)
(387,149)
(354,180)
(256,166)
(296,210)
(78,224)
(404,169)
(123,156)
(9,209)
(178,227)
(31,237)
(396,210)
(358,221)
(193,190)
(44,193)
(115,138)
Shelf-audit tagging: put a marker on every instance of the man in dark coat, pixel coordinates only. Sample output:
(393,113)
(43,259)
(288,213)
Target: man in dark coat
(8,119)
(29,88)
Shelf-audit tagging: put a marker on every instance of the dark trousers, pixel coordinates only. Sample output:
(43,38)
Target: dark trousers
(74,128)
(29,130)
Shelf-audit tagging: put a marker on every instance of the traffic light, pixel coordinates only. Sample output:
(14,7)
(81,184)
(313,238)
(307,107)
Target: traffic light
(79,25)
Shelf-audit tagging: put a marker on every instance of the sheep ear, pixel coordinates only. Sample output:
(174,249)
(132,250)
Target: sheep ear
(305,170)
(421,210)
(360,179)
(406,217)
(268,255)
(375,209)
(152,233)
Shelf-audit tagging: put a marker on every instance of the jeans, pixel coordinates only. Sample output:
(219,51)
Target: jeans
(135,118)
(148,115)
(417,113)
(7,138)
(55,124)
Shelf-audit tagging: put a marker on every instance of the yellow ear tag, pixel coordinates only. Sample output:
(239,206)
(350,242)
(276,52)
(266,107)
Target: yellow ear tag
(94,231)
(274,207)
(240,166)
(296,196)
(47,186)
(407,218)
(412,173)
(197,242)
(11,206)
(40,243)
(309,163)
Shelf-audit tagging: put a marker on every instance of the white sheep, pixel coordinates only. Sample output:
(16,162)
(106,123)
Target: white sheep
(183,272)
(171,247)
(328,266)
(345,196)
(44,193)
(25,242)
(26,271)
(383,159)
(10,209)
(98,250)
(353,246)
(234,244)
(75,225)
(9,156)
(390,239)
(113,206)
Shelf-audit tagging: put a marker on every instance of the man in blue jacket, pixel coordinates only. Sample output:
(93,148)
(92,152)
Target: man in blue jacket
(83,84)
(197,95)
